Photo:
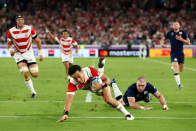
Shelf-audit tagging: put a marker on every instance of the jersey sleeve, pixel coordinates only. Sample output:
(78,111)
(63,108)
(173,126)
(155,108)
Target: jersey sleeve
(9,36)
(131,92)
(167,35)
(185,35)
(57,39)
(152,89)
(94,72)
(71,88)
(74,42)
(33,33)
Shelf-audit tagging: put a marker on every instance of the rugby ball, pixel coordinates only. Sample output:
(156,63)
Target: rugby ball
(98,80)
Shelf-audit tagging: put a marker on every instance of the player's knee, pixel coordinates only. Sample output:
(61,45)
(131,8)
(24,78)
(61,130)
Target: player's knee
(23,69)
(34,70)
(34,74)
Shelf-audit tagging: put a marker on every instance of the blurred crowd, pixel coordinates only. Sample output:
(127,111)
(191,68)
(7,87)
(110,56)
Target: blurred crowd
(101,22)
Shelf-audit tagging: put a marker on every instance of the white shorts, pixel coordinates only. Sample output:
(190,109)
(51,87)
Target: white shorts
(67,58)
(27,56)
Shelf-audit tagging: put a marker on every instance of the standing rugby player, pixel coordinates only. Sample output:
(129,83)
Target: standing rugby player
(21,35)
(177,39)
(66,46)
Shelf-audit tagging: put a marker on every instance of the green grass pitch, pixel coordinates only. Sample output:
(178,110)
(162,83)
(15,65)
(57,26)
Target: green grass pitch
(19,112)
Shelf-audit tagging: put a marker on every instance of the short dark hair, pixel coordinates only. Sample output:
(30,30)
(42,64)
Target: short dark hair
(65,31)
(20,16)
(141,79)
(73,69)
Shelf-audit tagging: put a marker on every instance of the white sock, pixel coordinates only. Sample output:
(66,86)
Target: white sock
(177,77)
(122,109)
(117,92)
(30,86)
(101,69)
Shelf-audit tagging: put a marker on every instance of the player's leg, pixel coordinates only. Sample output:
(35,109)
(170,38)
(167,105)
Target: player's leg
(181,67)
(176,74)
(22,66)
(106,94)
(117,93)
(70,64)
(101,64)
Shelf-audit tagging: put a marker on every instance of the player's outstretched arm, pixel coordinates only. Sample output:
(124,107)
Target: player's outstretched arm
(162,100)
(162,42)
(9,47)
(51,36)
(67,107)
(134,105)
(39,46)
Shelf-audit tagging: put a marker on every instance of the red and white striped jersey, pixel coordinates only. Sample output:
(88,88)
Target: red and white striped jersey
(21,38)
(66,44)
(89,73)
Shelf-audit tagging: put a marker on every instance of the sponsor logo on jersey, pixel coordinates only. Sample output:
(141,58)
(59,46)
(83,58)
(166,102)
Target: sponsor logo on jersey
(145,92)
(180,33)
(172,33)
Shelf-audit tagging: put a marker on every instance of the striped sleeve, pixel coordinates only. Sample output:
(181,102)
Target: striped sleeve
(74,42)
(33,33)
(71,88)
(9,36)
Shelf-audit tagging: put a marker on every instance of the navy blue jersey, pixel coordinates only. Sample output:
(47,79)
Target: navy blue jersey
(133,92)
(176,45)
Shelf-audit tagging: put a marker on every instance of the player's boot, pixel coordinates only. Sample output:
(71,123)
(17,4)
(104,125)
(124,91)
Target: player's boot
(180,87)
(33,95)
(129,117)
(172,68)
(101,62)
(113,81)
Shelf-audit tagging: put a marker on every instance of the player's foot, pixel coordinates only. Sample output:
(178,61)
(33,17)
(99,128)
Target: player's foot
(129,117)
(101,62)
(180,87)
(172,68)
(113,81)
(33,95)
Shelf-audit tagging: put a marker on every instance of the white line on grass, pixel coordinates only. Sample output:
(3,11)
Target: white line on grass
(101,117)
(165,63)
(80,102)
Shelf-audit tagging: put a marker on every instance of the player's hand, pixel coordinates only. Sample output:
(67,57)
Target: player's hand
(97,86)
(166,108)
(41,58)
(147,108)
(76,51)
(12,53)
(179,38)
(65,117)
(47,30)
(163,45)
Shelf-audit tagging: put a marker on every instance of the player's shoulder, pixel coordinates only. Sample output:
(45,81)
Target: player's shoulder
(133,86)
(27,27)
(13,28)
(69,38)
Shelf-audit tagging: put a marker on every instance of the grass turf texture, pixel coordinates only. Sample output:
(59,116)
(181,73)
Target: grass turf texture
(20,112)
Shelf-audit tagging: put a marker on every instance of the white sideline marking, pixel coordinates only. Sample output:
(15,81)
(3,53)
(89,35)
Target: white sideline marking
(102,117)
(169,64)
(82,102)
